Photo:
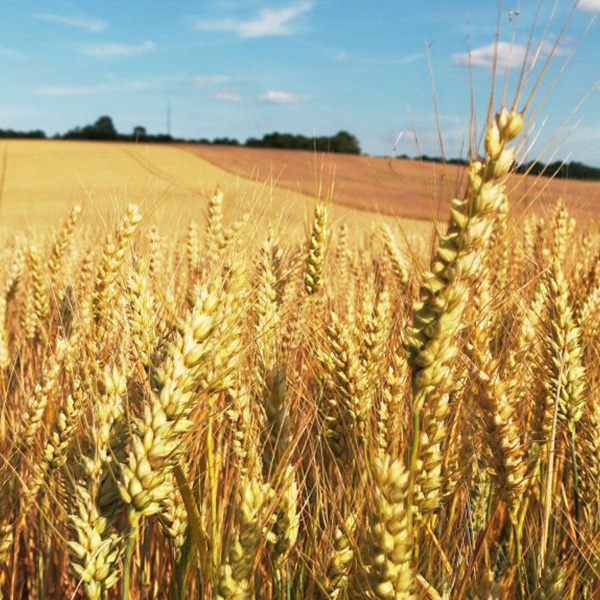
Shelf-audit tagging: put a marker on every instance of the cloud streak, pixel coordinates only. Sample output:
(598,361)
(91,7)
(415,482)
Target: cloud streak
(589,5)
(269,97)
(117,50)
(103,88)
(92,25)
(511,56)
(228,96)
(268,22)
(280,97)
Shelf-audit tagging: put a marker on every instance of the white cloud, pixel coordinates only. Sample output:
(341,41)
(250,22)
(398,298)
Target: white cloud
(93,25)
(506,55)
(116,50)
(268,22)
(228,96)
(589,5)
(279,97)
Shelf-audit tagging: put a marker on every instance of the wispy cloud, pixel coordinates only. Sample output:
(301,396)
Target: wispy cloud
(589,5)
(268,22)
(279,97)
(506,55)
(116,50)
(270,97)
(203,80)
(228,96)
(10,53)
(102,88)
(93,25)
(380,60)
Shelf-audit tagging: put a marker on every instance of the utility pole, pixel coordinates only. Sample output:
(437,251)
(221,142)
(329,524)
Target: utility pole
(169,118)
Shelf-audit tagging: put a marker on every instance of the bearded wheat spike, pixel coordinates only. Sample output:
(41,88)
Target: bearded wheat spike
(61,245)
(506,448)
(342,251)
(174,517)
(278,420)
(156,259)
(267,304)
(344,404)
(15,273)
(55,451)
(31,420)
(215,237)
(399,264)
(438,314)
(156,439)
(232,233)
(388,546)
(341,557)
(563,227)
(41,296)
(29,320)
(141,315)
(565,372)
(7,537)
(235,580)
(286,521)
(391,405)
(95,550)
(85,290)
(192,248)
(375,335)
(113,255)
(315,259)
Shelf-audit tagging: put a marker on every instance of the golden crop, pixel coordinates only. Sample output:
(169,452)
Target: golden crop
(225,413)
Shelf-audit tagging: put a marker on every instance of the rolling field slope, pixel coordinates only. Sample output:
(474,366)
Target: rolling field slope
(40,180)
(390,186)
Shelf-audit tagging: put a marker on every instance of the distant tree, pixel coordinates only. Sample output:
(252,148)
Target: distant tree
(345,142)
(225,141)
(102,129)
(139,133)
(36,134)
(340,142)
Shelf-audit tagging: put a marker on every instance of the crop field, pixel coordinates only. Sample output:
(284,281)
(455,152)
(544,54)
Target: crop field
(39,181)
(388,186)
(231,374)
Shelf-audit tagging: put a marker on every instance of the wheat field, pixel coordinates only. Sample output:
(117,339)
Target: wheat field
(237,399)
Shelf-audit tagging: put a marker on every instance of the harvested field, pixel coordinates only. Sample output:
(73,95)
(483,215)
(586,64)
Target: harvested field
(404,188)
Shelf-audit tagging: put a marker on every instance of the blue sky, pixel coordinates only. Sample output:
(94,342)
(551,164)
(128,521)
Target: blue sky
(246,67)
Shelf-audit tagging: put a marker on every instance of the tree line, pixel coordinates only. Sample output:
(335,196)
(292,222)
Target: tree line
(104,130)
(342,142)
(556,169)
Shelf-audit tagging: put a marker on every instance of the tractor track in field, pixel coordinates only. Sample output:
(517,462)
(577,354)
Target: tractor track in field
(157,172)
